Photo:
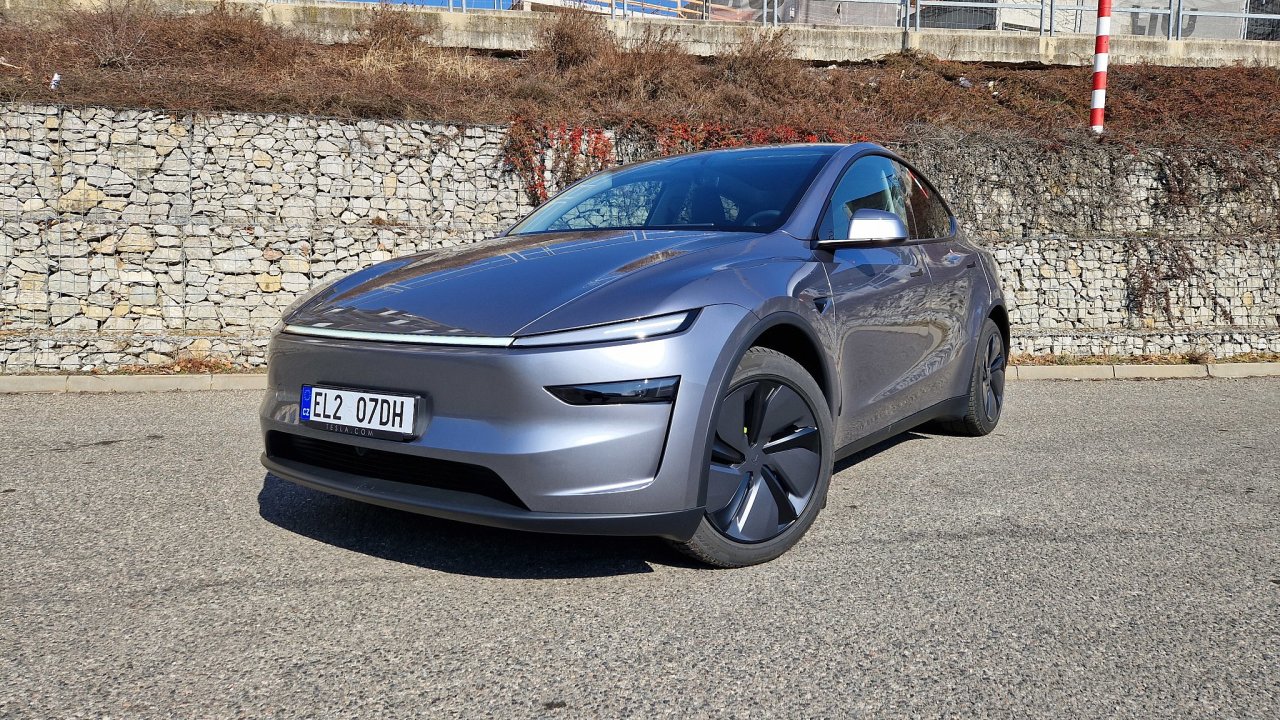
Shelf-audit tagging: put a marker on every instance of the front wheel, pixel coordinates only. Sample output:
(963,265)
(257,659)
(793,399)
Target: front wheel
(770,463)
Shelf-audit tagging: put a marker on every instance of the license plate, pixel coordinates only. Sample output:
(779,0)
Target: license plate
(358,412)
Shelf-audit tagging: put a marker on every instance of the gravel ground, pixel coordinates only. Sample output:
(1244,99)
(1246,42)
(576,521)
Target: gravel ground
(1112,550)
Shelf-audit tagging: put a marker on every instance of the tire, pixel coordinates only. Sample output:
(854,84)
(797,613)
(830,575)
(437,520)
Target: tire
(985,400)
(770,463)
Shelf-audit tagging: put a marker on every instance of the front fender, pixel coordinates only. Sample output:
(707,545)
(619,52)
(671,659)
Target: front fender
(748,331)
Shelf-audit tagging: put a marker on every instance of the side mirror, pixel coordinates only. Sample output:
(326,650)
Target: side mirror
(869,225)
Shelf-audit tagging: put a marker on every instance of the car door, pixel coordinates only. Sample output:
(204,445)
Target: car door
(878,322)
(955,279)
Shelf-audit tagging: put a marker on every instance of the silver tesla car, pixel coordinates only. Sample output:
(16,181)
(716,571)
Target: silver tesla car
(678,348)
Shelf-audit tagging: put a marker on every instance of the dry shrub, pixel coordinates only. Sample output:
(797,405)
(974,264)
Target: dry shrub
(1200,356)
(653,68)
(1238,104)
(395,57)
(762,63)
(392,28)
(574,37)
(115,33)
(760,79)
(226,37)
(911,91)
(132,35)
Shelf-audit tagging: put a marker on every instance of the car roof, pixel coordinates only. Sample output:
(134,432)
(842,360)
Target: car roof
(838,151)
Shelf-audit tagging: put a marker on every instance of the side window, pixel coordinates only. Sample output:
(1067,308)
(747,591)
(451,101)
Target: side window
(871,182)
(927,216)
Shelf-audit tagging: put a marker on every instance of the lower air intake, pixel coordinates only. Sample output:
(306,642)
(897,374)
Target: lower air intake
(393,466)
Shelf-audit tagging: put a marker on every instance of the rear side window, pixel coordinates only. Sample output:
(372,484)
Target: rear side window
(878,183)
(927,216)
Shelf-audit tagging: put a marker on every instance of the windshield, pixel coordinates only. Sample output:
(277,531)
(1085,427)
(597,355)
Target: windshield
(752,190)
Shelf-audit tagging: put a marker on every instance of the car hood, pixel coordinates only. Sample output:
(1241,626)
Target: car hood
(497,287)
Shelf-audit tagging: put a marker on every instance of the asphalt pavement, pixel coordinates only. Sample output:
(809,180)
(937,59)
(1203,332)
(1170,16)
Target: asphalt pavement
(1113,550)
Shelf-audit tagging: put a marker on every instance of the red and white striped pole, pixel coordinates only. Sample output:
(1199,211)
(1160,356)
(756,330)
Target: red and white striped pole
(1101,50)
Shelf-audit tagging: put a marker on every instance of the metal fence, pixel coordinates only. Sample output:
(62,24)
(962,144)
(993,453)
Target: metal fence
(1172,19)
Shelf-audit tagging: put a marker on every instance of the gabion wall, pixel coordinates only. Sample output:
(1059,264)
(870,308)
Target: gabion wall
(135,237)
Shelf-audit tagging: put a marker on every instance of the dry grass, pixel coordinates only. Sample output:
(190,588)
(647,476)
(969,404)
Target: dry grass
(1252,357)
(124,53)
(1057,359)
(186,366)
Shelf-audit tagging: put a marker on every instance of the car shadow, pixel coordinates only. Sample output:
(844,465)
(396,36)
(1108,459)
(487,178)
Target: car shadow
(876,449)
(454,547)
(464,549)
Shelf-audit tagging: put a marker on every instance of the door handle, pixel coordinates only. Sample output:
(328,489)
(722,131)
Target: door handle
(917,273)
(972,264)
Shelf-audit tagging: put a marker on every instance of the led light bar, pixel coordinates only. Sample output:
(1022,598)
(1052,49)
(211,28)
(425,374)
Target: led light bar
(406,338)
(629,330)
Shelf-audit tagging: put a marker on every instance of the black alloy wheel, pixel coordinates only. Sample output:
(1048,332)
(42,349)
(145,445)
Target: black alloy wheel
(770,463)
(993,378)
(985,400)
(765,459)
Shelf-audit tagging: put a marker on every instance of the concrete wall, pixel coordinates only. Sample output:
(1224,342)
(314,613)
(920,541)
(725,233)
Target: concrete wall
(517,31)
(133,237)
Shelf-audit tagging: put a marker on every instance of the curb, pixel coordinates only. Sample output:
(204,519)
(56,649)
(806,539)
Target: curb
(1239,370)
(128,383)
(10,384)
(1143,372)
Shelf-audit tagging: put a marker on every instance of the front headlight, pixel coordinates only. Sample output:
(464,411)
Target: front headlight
(613,332)
(627,392)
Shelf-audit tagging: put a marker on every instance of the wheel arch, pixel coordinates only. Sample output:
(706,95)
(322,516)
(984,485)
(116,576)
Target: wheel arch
(1000,316)
(787,333)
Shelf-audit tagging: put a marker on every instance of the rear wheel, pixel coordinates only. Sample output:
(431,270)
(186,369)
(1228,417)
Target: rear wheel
(985,400)
(770,463)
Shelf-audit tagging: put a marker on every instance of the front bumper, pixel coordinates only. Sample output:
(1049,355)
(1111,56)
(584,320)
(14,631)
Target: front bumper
(480,510)
(608,469)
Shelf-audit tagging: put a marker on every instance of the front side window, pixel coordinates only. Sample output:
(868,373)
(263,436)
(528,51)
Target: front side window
(875,182)
(872,182)
(751,190)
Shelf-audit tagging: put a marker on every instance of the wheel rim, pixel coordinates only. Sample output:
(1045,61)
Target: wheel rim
(993,379)
(766,458)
